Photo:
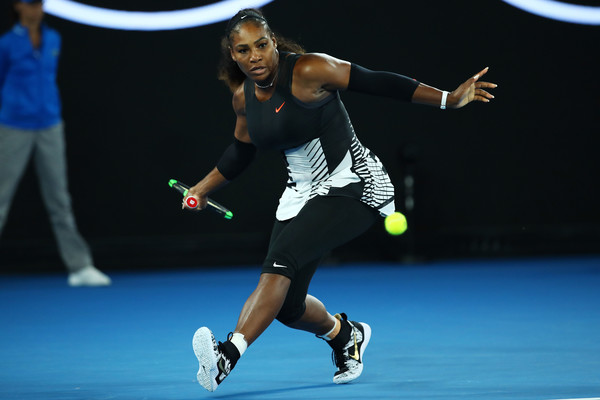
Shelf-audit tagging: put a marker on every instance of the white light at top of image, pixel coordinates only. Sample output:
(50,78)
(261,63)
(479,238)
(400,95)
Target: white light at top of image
(577,14)
(145,20)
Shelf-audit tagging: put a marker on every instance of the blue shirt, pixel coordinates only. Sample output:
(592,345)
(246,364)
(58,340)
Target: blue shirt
(29,97)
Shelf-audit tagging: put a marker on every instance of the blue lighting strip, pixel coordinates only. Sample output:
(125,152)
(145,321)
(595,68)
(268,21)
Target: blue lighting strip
(577,14)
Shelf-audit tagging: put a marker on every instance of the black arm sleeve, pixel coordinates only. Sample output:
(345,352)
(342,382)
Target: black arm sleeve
(381,83)
(235,159)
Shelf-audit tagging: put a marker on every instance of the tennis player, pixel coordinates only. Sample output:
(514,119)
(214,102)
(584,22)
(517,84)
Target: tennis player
(289,100)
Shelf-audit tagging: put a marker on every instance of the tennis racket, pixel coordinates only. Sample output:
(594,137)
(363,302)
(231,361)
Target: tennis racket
(191,202)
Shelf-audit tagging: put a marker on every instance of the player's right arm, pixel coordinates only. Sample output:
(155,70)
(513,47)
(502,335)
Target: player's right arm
(235,158)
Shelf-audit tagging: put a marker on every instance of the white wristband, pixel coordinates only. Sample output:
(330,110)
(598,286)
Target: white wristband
(444,97)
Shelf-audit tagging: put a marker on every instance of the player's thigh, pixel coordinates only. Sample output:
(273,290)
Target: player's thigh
(323,224)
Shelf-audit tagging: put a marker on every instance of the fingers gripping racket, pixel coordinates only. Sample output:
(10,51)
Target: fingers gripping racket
(193,203)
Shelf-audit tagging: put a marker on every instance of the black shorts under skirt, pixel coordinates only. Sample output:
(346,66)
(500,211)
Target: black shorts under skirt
(298,244)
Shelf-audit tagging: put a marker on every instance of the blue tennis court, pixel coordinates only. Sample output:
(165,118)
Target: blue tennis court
(508,329)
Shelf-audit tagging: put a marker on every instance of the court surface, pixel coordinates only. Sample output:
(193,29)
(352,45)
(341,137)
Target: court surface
(509,329)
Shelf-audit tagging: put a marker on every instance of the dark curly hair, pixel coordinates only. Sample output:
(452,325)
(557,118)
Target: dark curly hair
(228,70)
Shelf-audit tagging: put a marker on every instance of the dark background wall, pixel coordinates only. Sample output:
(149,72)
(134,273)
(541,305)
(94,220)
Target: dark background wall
(518,176)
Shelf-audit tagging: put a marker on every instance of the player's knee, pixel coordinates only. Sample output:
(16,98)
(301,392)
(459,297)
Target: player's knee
(291,313)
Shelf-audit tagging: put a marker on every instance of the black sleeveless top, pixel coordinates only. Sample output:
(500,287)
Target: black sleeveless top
(322,154)
(283,121)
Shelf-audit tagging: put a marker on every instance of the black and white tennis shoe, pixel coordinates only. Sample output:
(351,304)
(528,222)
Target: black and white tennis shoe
(214,364)
(349,359)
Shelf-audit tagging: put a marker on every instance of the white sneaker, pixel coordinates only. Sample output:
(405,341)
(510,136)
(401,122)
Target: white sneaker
(214,364)
(88,276)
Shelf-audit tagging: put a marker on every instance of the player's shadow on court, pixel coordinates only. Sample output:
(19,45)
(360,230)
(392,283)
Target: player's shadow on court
(259,393)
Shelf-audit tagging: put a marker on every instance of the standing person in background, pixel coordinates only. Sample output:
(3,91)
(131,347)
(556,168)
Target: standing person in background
(31,127)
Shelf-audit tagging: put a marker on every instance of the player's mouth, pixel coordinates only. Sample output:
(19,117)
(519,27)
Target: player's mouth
(258,70)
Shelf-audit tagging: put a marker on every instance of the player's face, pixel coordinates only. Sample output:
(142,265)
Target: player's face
(255,51)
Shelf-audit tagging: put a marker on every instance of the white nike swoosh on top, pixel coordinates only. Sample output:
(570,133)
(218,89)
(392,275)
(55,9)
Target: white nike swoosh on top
(279,265)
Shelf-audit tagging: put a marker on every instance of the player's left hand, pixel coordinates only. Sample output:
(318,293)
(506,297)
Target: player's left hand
(471,90)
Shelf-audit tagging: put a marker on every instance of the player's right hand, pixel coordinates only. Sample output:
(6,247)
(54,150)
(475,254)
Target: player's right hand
(193,202)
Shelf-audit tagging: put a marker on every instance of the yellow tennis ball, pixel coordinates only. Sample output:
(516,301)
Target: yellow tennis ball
(395,224)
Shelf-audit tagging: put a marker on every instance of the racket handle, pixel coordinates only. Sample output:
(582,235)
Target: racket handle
(193,203)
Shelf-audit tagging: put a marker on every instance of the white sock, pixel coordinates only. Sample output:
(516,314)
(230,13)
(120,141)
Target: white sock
(240,343)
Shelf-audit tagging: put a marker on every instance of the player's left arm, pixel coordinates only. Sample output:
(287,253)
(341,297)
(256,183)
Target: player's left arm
(318,72)
(470,90)
(327,73)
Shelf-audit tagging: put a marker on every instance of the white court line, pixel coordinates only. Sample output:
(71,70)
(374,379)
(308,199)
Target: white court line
(582,398)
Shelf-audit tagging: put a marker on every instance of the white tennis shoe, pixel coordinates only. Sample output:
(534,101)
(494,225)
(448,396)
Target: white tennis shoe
(214,365)
(88,276)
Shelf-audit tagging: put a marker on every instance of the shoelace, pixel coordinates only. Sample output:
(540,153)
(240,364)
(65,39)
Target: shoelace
(224,363)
